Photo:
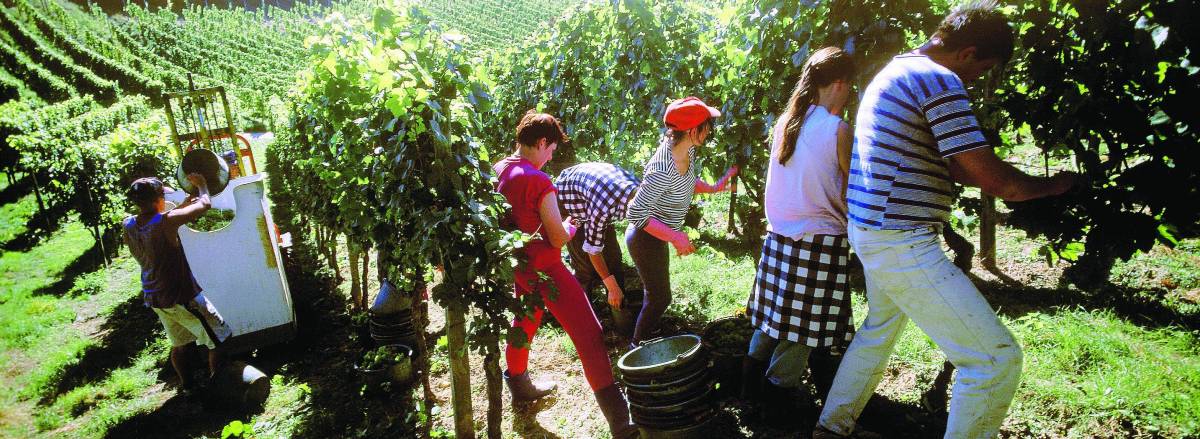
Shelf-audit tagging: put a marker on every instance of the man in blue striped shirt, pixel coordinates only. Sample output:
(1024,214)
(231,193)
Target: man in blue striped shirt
(915,137)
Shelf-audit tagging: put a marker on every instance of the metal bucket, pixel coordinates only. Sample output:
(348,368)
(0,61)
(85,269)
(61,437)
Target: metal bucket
(669,386)
(625,317)
(401,373)
(242,385)
(726,357)
(661,356)
(206,163)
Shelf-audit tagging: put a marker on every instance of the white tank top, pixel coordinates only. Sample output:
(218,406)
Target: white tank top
(805,195)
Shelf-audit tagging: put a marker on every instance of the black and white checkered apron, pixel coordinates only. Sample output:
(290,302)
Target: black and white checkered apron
(801,291)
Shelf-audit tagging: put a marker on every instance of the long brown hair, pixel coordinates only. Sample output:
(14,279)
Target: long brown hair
(822,68)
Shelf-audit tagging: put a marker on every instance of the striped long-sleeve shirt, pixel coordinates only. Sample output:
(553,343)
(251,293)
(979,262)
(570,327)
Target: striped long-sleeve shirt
(665,194)
(914,115)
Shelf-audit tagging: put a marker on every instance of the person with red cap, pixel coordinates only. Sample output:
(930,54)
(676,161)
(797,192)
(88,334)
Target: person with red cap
(656,213)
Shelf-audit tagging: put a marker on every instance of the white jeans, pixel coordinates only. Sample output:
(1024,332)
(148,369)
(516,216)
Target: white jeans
(909,276)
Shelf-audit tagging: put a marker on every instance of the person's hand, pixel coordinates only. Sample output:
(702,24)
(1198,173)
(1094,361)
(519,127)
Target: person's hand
(1062,182)
(723,184)
(683,244)
(569,225)
(197,180)
(615,295)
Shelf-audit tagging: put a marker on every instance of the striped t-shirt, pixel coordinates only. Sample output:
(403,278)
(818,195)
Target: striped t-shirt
(913,116)
(665,194)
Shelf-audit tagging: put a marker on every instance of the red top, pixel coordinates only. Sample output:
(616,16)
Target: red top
(524,186)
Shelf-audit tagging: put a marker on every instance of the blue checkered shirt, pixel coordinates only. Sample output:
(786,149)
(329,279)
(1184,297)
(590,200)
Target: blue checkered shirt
(596,194)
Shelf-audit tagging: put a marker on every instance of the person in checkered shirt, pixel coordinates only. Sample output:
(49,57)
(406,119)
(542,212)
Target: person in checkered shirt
(596,194)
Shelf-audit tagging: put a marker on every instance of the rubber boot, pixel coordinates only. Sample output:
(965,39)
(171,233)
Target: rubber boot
(753,375)
(616,412)
(525,390)
(779,405)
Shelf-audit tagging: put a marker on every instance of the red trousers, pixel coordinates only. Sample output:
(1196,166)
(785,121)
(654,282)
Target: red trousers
(574,312)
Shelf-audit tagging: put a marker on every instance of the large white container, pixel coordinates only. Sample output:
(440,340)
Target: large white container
(239,267)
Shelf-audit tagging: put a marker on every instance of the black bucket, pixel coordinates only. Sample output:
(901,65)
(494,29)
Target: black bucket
(670,392)
(674,416)
(625,318)
(401,373)
(392,325)
(727,340)
(669,386)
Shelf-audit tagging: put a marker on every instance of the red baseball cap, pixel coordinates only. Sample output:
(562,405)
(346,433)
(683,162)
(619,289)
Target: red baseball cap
(687,113)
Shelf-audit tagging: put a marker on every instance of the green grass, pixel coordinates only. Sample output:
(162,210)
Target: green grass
(14,216)
(38,335)
(106,403)
(25,317)
(707,283)
(1088,373)
(1169,275)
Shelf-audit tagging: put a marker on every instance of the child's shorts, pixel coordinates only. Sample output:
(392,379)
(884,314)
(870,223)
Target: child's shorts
(787,361)
(193,322)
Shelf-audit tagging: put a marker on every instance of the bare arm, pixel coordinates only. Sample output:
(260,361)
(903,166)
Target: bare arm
(845,142)
(981,167)
(599,264)
(557,230)
(189,212)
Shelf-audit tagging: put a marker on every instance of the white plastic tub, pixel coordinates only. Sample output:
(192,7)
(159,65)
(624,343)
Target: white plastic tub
(240,269)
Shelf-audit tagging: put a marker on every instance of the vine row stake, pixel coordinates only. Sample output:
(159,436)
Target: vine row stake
(460,371)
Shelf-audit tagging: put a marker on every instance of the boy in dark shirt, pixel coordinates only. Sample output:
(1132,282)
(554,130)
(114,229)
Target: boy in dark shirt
(167,283)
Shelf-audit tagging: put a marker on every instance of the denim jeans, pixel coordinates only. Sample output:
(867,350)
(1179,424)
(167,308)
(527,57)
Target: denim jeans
(787,361)
(651,256)
(909,277)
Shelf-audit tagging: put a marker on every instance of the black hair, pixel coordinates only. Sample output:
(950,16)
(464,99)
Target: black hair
(144,192)
(980,25)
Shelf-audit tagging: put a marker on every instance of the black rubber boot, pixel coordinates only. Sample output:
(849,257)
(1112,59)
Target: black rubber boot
(780,405)
(616,412)
(753,375)
(525,390)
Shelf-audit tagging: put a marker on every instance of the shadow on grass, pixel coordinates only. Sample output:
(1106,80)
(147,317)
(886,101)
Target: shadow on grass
(321,356)
(178,417)
(525,422)
(13,192)
(893,419)
(1142,307)
(126,332)
(91,260)
(42,224)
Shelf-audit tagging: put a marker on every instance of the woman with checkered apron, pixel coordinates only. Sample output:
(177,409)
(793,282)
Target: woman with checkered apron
(801,298)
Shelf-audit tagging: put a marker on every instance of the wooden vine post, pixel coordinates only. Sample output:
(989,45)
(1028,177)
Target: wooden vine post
(495,410)
(460,371)
(987,230)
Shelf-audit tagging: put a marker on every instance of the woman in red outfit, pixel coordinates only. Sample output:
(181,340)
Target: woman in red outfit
(531,194)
